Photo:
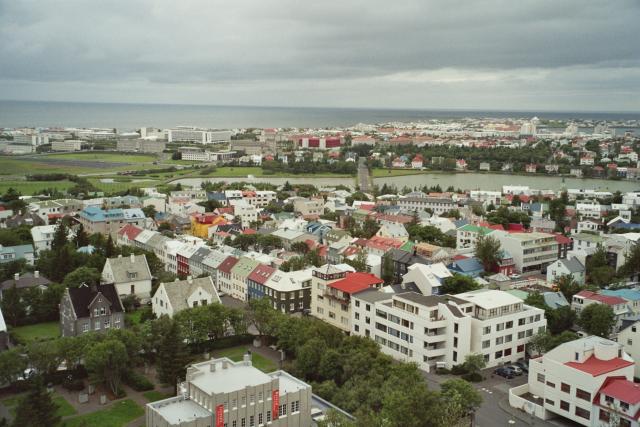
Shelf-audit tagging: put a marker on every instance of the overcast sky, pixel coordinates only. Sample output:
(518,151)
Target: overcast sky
(491,54)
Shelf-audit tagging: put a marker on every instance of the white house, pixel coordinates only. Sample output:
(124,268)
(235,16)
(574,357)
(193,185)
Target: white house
(394,231)
(562,267)
(130,275)
(172,297)
(589,381)
(428,278)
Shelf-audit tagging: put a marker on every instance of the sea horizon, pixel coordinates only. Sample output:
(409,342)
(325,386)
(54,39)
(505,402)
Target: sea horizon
(131,116)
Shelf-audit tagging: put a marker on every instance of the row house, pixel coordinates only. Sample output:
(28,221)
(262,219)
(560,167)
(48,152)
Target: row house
(289,292)
(225,283)
(239,275)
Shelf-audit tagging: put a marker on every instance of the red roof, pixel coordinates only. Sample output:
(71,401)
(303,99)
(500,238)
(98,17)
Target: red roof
(597,367)
(622,389)
(356,282)
(605,299)
(261,274)
(563,240)
(130,230)
(249,231)
(228,264)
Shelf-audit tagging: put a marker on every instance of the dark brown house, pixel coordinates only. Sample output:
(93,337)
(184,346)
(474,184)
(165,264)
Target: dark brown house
(90,308)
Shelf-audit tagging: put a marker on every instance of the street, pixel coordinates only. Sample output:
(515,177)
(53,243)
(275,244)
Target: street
(363,175)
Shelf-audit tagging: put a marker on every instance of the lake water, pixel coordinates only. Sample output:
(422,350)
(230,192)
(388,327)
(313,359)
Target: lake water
(465,181)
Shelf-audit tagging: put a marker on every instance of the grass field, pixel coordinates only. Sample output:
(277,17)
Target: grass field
(28,188)
(119,414)
(236,354)
(155,395)
(75,163)
(106,157)
(381,173)
(64,408)
(121,185)
(37,332)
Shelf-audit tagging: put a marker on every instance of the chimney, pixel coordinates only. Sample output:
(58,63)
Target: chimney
(415,251)
(176,280)
(212,367)
(189,279)
(16,276)
(133,258)
(224,364)
(119,255)
(36,274)
(247,358)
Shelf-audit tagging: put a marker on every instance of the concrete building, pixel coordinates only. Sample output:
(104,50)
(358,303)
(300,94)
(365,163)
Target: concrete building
(588,381)
(96,220)
(173,297)
(141,145)
(289,292)
(239,276)
(530,251)
(441,330)
(90,308)
(307,207)
(468,234)
(438,205)
(200,136)
(67,145)
(234,394)
(428,278)
(331,293)
(629,338)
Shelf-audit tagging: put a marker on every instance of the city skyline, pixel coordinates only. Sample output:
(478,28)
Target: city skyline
(577,56)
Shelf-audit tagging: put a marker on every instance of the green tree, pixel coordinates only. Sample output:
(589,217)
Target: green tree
(37,408)
(568,286)
(172,355)
(12,365)
(150,211)
(460,399)
(107,361)
(300,247)
(359,262)
(262,315)
(81,275)
(12,307)
(597,319)
(60,237)
(561,319)
(488,251)
(631,266)
(388,270)
(82,238)
(109,248)
(474,363)
(536,299)
(458,284)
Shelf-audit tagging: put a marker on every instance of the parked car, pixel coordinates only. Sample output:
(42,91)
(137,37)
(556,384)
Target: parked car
(505,372)
(523,364)
(516,369)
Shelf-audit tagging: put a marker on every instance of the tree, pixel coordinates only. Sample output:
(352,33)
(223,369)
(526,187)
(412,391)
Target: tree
(458,284)
(60,237)
(12,365)
(359,262)
(568,286)
(488,251)
(109,248)
(150,211)
(460,399)
(172,354)
(36,408)
(542,342)
(262,315)
(561,319)
(82,238)
(597,319)
(12,307)
(81,275)
(536,299)
(300,247)
(388,271)
(474,363)
(631,266)
(107,361)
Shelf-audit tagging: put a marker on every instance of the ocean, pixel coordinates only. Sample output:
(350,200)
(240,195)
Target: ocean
(129,117)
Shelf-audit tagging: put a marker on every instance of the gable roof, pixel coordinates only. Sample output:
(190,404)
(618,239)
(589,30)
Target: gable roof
(356,282)
(244,266)
(26,280)
(178,292)
(226,265)
(82,296)
(573,265)
(123,266)
(261,274)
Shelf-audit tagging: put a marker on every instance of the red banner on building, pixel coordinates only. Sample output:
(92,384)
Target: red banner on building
(220,416)
(275,403)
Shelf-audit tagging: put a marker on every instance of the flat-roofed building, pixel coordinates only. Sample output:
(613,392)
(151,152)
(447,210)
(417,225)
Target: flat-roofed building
(221,392)
(531,251)
(67,145)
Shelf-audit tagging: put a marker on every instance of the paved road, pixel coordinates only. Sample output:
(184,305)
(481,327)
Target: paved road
(364,180)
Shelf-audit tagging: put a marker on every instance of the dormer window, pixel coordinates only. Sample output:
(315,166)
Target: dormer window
(577,356)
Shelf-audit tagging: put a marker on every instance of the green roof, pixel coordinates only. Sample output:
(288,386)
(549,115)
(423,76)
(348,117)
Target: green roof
(244,266)
(476,229)
(408,246)
(518,293)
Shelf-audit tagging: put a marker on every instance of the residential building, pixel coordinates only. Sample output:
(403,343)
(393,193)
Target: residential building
(393,231)
(247,213)
(402,260)
(586,381)
(42,236)
(239,274)
(629,338)
(530,251)
(25,281)
(173,297)
(585,298)
(467,235)
(90,308)
(17,253)
(441,330)
(309,207)
(225,284)
(572,267)
(332,291)
(428,278)
(4,333)
(438,205)
(236,394)
(130,275)
(108,222)
(289,292)
(200,136)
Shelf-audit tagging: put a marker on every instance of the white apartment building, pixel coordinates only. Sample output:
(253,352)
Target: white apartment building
(530,251)
(441,330)
(589,209)
(629,338)
(42,236)
(309,206)
(201,136)
(260,199)
(487,197)
(225,394)
(589,381)
(246,212)
(438,205)
(68,145)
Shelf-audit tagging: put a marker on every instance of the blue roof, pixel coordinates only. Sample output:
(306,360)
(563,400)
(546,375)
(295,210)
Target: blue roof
(460,223)
(628,294)
(555,299)
(19,251)
(468,264)
(625,226)
(216,195)
(94,213)
(87,249)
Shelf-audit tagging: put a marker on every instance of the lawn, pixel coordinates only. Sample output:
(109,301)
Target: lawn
(106,157)
(119,414)
(119,185)
(236,354)
(28,188)
(37,332)
(64,408)
(155,395)
(74,163)
(381,173)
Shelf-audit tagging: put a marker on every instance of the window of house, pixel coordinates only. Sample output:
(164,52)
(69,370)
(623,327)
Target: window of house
(507,352)
(509,324)
(624,405)
(357,303)
(455,328)
(260,419)
(486,344)
(583,413)
(252,421)
(581,394)
(498,354)
(541,378)
(550,384)
(564,405)
(566,388)
(499,340)
(520,348)
(549,402)
(604,415)
(268,416)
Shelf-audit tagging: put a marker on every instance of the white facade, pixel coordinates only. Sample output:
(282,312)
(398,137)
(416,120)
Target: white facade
(441,330)
(530,251)
(201,136)
(68,145)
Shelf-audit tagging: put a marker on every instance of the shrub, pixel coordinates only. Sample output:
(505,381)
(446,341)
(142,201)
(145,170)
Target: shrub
(458,370)
(73,384)
(473,377)
(442,371)
(138,382)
